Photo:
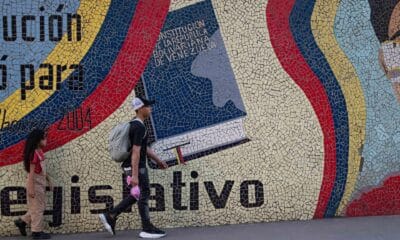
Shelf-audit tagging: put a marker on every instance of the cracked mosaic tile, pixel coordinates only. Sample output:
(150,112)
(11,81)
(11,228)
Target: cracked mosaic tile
(265,110)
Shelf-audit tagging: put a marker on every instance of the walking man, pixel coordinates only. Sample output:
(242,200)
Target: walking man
(135,167)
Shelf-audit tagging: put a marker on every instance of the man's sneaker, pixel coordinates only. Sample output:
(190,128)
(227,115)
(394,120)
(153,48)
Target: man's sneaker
(151,231)
(40,235)
(21,225)
(108,222)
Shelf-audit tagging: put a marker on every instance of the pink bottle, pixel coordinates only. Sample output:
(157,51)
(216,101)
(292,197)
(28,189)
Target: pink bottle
(135,191)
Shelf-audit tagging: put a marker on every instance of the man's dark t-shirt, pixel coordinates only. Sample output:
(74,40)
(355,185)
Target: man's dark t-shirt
(138,136)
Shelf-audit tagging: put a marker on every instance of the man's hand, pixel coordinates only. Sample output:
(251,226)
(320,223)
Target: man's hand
(134,180)
(152,155)
(162,165)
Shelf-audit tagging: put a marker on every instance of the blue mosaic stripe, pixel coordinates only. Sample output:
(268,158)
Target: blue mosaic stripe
(97,63)
(300,24)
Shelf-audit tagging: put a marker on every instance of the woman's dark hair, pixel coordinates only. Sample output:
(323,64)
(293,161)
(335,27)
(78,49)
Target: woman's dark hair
(32,143)
(381,12)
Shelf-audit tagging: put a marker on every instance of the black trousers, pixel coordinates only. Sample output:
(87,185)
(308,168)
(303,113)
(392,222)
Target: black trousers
(143,203)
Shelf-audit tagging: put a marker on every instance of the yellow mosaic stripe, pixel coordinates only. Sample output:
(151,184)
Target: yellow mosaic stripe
(322,23)
(66,52)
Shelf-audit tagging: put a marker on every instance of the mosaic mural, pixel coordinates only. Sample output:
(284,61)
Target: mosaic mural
(266,110)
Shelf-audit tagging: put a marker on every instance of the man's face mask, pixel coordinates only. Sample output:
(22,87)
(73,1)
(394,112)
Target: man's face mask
(389,57)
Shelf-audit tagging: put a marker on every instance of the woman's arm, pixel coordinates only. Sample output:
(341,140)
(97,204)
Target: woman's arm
(30,188)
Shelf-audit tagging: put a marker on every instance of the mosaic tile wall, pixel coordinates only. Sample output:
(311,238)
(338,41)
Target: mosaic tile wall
(281,109)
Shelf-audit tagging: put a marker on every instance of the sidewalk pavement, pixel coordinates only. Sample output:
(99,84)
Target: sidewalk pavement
(368,228)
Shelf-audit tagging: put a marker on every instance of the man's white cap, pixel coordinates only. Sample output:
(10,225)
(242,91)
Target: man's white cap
(139,102)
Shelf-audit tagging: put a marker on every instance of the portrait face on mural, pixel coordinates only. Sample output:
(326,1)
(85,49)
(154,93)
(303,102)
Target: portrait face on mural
(389,53)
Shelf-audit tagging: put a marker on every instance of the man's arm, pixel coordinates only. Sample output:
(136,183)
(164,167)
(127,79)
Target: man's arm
(136,135)
(135,156)
(152,155)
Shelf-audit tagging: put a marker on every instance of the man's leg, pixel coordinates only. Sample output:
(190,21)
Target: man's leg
(126,202)
(109,219)
(143,203)
(149,231)
(122,206)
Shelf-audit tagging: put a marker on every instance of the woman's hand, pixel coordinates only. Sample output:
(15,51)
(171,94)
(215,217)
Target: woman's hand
(50,182)
(31,191)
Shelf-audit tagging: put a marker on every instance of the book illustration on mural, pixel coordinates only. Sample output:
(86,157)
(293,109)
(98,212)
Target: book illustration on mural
(199,109)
